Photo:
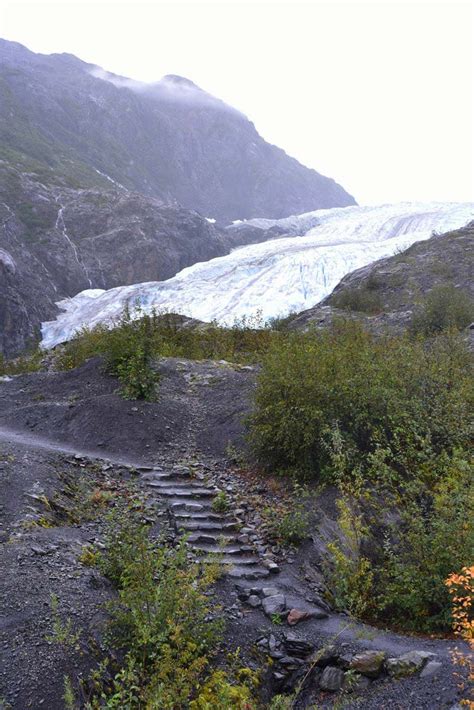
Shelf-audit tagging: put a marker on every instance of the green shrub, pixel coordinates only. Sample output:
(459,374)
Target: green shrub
(435,539)
(349,572)
(127,350)
(364,299)
(408,399)
(290,524)
(417,533)
(221,503)
(444,307)
(164,626)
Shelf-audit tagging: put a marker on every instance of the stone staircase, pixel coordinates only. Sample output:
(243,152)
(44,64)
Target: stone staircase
(188,499)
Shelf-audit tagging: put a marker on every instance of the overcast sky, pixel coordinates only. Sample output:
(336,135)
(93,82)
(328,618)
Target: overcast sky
(378,95)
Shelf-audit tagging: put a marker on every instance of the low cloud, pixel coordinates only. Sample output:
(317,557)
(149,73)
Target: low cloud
(171,89)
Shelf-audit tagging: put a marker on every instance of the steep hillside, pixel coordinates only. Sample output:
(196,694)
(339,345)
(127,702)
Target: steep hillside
(386,292)
(169,140)
(56,241)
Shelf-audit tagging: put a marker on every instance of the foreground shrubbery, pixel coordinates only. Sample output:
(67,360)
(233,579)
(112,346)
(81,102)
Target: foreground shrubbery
(399,542)
(164,630)
(389,420)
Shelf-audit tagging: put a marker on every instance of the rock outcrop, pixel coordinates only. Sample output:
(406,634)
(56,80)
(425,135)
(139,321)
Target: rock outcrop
(384,294)
(57,241)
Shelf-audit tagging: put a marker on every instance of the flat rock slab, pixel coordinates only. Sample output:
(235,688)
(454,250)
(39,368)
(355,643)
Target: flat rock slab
(274,605)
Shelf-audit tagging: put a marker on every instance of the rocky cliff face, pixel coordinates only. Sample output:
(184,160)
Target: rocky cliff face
(384,294)
(56,241)
(169,140)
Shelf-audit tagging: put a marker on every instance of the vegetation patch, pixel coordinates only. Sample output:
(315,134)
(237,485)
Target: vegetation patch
(389,420)
(164,627)
(362,299)
(444,307)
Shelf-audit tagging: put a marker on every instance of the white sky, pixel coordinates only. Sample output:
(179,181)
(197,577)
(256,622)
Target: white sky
(378,95)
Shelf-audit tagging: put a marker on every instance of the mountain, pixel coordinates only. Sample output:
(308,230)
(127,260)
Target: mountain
(56,241)
(275,277)
(386,293)
(168,140)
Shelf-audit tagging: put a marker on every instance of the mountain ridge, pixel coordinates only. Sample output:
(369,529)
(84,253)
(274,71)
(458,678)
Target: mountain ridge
(151,141)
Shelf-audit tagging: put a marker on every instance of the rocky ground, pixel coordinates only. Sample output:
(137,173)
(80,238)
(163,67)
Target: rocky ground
(63,435)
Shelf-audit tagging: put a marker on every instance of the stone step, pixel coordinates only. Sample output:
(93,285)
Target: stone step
(208,538)
(165,476)
(182,506)
(178,483)
(190,493)
(232,561)
(213,549)
(250,573)
(205,526)
(202,515)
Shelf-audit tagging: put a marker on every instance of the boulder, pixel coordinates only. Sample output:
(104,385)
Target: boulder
(274,605)
(408,663)
(332,679)
(431,668)
(253,600)
(297,615)
(296,646)
(368,663)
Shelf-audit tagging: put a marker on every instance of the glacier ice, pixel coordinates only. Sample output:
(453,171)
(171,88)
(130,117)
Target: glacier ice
(274,277)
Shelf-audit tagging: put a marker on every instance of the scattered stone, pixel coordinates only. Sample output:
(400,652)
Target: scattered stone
(408,664)
(290,662)
(356,683)
(297,615)
(431,668)
(271,566)
(326,656)
(253,600)
(272,642)
(368,663)
(332,679)
(38,550)
(345,660)
(269,591)
(296,646)
(274,605)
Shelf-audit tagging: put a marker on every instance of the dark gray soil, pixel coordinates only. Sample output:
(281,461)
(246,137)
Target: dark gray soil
(47,418)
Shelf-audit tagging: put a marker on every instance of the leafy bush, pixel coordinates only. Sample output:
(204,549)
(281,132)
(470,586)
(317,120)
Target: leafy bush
(127,350)
(163,625)
(444,307)
(364,299)
(289,525)
(221,503)
(350,574)
(408,399)
(417,532)
(434,539)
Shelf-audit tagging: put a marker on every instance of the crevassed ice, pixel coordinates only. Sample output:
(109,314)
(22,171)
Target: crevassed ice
(275,277)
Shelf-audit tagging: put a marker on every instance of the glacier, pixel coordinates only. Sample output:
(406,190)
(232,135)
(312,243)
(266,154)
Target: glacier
(271,278)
